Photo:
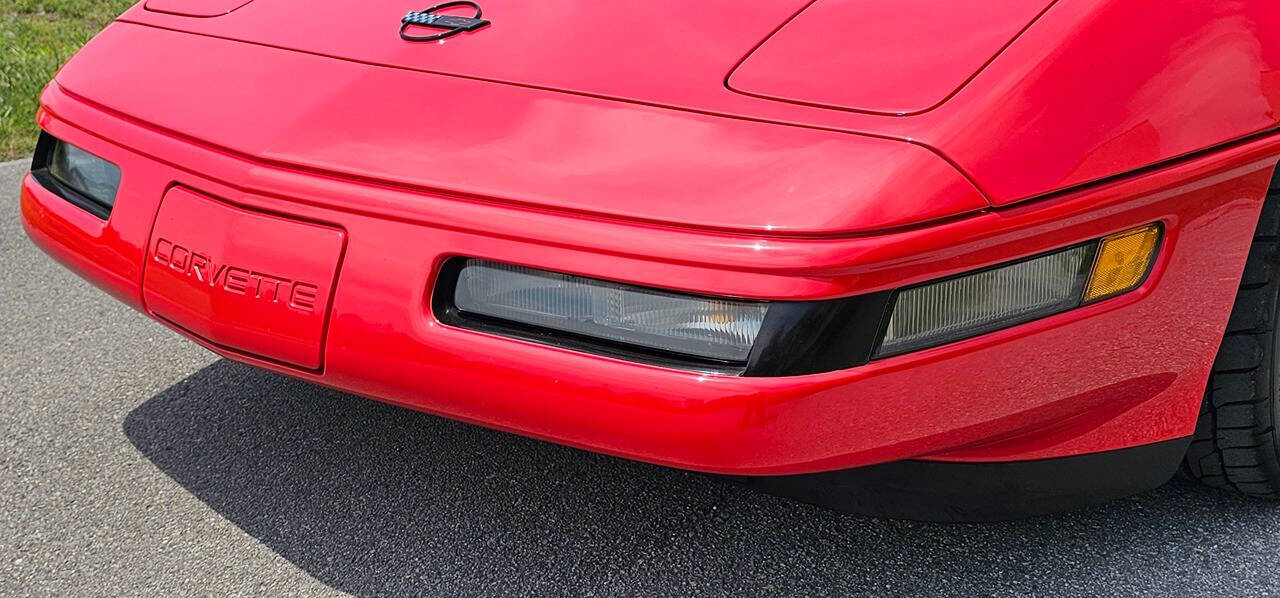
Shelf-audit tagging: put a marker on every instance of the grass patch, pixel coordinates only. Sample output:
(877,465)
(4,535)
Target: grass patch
(36,37)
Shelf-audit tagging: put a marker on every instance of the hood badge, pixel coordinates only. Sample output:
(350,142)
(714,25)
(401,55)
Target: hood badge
(452,24)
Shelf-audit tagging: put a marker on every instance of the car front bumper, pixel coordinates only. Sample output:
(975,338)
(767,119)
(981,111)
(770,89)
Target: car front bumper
(1120,373)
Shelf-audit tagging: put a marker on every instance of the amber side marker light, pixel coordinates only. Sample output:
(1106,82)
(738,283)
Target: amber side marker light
(1123,262)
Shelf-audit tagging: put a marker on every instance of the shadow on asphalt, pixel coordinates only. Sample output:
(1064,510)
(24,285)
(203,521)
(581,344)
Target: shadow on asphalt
(373,499)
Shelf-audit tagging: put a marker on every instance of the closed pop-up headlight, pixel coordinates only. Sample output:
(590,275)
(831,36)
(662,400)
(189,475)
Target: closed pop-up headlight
(704,327)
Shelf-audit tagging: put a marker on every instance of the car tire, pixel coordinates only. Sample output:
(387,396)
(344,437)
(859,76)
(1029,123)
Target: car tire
(1235,445)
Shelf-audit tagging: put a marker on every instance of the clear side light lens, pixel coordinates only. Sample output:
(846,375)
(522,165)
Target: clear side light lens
(977,303)
(720,329)
(92,176)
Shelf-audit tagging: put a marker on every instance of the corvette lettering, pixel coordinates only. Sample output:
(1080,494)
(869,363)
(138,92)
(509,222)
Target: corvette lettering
(297,295)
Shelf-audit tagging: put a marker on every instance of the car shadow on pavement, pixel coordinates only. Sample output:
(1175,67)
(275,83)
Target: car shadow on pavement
(373,499)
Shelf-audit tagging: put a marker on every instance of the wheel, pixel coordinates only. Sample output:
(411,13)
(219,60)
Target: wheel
(1235,444)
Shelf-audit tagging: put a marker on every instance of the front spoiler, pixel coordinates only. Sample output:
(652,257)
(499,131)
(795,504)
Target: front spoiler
(969,492)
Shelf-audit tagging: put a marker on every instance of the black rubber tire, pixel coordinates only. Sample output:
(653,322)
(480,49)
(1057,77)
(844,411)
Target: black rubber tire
(1235,443)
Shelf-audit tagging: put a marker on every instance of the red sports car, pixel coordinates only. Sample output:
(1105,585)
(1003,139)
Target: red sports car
(950,259)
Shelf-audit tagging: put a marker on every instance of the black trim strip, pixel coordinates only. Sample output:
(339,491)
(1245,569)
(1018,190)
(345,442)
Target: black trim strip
(811,337)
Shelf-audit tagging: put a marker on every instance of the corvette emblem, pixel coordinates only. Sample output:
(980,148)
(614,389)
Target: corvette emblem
(452,24)
(204,271)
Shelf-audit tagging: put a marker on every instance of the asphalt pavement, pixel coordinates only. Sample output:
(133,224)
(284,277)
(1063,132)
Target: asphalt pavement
(134,462)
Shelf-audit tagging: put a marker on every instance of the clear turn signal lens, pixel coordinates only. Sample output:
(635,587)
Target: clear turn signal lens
(707,327)
(977,303)
(980,302)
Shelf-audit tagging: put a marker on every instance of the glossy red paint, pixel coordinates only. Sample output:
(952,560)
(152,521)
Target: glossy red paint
(672,180)
(881,56)
(217,271)
(186,8)
(553,151)
(1093,89)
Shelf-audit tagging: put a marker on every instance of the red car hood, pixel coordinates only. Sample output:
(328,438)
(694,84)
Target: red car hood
(547,109)
(898,56)
(813,118)
(653,50)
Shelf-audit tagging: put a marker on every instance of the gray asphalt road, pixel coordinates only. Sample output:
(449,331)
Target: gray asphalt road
(134,462)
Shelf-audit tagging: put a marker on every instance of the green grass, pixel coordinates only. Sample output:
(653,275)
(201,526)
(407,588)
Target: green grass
(36,37)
